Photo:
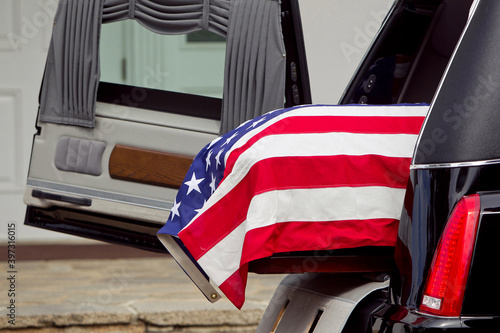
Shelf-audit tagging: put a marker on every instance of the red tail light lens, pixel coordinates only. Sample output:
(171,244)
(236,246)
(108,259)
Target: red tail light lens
(444,291)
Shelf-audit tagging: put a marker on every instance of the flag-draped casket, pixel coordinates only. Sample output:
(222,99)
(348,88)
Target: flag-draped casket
(301,179)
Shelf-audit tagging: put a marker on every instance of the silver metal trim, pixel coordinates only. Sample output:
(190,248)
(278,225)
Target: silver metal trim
(425,314)
(452,317)
(189,268)
(453,165)
(96,194)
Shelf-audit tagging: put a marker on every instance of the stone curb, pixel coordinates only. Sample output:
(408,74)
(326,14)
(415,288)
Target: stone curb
(203,318)
(136,295)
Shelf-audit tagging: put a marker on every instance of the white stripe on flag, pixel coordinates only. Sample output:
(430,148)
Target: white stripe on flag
(328,110)
(353,203)
(323,144)
(329,144)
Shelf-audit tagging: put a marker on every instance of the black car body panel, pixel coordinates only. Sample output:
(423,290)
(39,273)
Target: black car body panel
(394,319)
(450,159)
(421,226)
(483,290)
(457,155)
(463,123)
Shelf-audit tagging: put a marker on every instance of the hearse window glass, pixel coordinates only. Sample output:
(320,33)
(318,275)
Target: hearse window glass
(133,55)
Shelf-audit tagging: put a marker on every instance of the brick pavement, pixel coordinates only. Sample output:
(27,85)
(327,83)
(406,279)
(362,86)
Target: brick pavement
(123,295)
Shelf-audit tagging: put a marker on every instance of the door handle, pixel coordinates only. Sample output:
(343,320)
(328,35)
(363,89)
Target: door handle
(63,198)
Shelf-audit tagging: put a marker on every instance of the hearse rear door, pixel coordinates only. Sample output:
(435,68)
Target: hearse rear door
(124,109)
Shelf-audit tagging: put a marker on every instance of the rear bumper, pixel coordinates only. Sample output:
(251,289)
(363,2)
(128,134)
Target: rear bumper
(394,319)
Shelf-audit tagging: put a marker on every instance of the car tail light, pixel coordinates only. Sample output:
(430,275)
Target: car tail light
(444,291)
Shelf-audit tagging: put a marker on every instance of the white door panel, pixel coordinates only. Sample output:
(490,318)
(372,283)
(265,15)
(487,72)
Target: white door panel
(160,132)
(25,31)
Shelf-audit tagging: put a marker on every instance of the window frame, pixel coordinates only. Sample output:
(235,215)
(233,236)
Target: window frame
(297,87)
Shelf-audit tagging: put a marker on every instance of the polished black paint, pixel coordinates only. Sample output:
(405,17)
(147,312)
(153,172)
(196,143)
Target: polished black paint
(483,290)
(455,156)
(429,201)
(463,122)
(450,163)
(431,196)
(394,319)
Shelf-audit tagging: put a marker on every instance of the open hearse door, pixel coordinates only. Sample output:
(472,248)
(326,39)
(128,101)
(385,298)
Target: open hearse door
(131,93)
(133,90)
(121,121)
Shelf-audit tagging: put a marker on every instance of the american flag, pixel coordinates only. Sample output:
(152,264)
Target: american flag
(301,179)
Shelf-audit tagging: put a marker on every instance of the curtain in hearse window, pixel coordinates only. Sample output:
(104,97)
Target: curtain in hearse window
(71,77)
(254,81)
(172,17)
(70,80)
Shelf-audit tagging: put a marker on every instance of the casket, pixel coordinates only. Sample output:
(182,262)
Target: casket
(308,189)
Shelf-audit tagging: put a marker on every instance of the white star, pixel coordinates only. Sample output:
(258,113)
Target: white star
(207,160)
(243,125)
(217,158)
(193,184)
(212,184)
(229,139)
(175,209)
(255,123)
(214,141)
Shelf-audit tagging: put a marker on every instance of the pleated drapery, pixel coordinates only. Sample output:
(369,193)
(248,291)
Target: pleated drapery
(171,16)
(254,79)
(71,77)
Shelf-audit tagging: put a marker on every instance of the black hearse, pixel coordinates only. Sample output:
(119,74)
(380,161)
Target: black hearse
(442,271)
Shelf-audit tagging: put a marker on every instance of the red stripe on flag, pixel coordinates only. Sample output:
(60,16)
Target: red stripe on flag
(312,236)
(306,236)
(234,286)
(352,124)
(289,173)
(330,171)
(326,124)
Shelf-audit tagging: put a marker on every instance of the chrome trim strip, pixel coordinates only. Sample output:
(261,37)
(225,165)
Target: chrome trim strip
(191,270)
(425,314)
(472,11)
(454,317)
(453,165)
(96,194)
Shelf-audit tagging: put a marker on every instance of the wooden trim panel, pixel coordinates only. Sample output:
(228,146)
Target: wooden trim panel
(148,166)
